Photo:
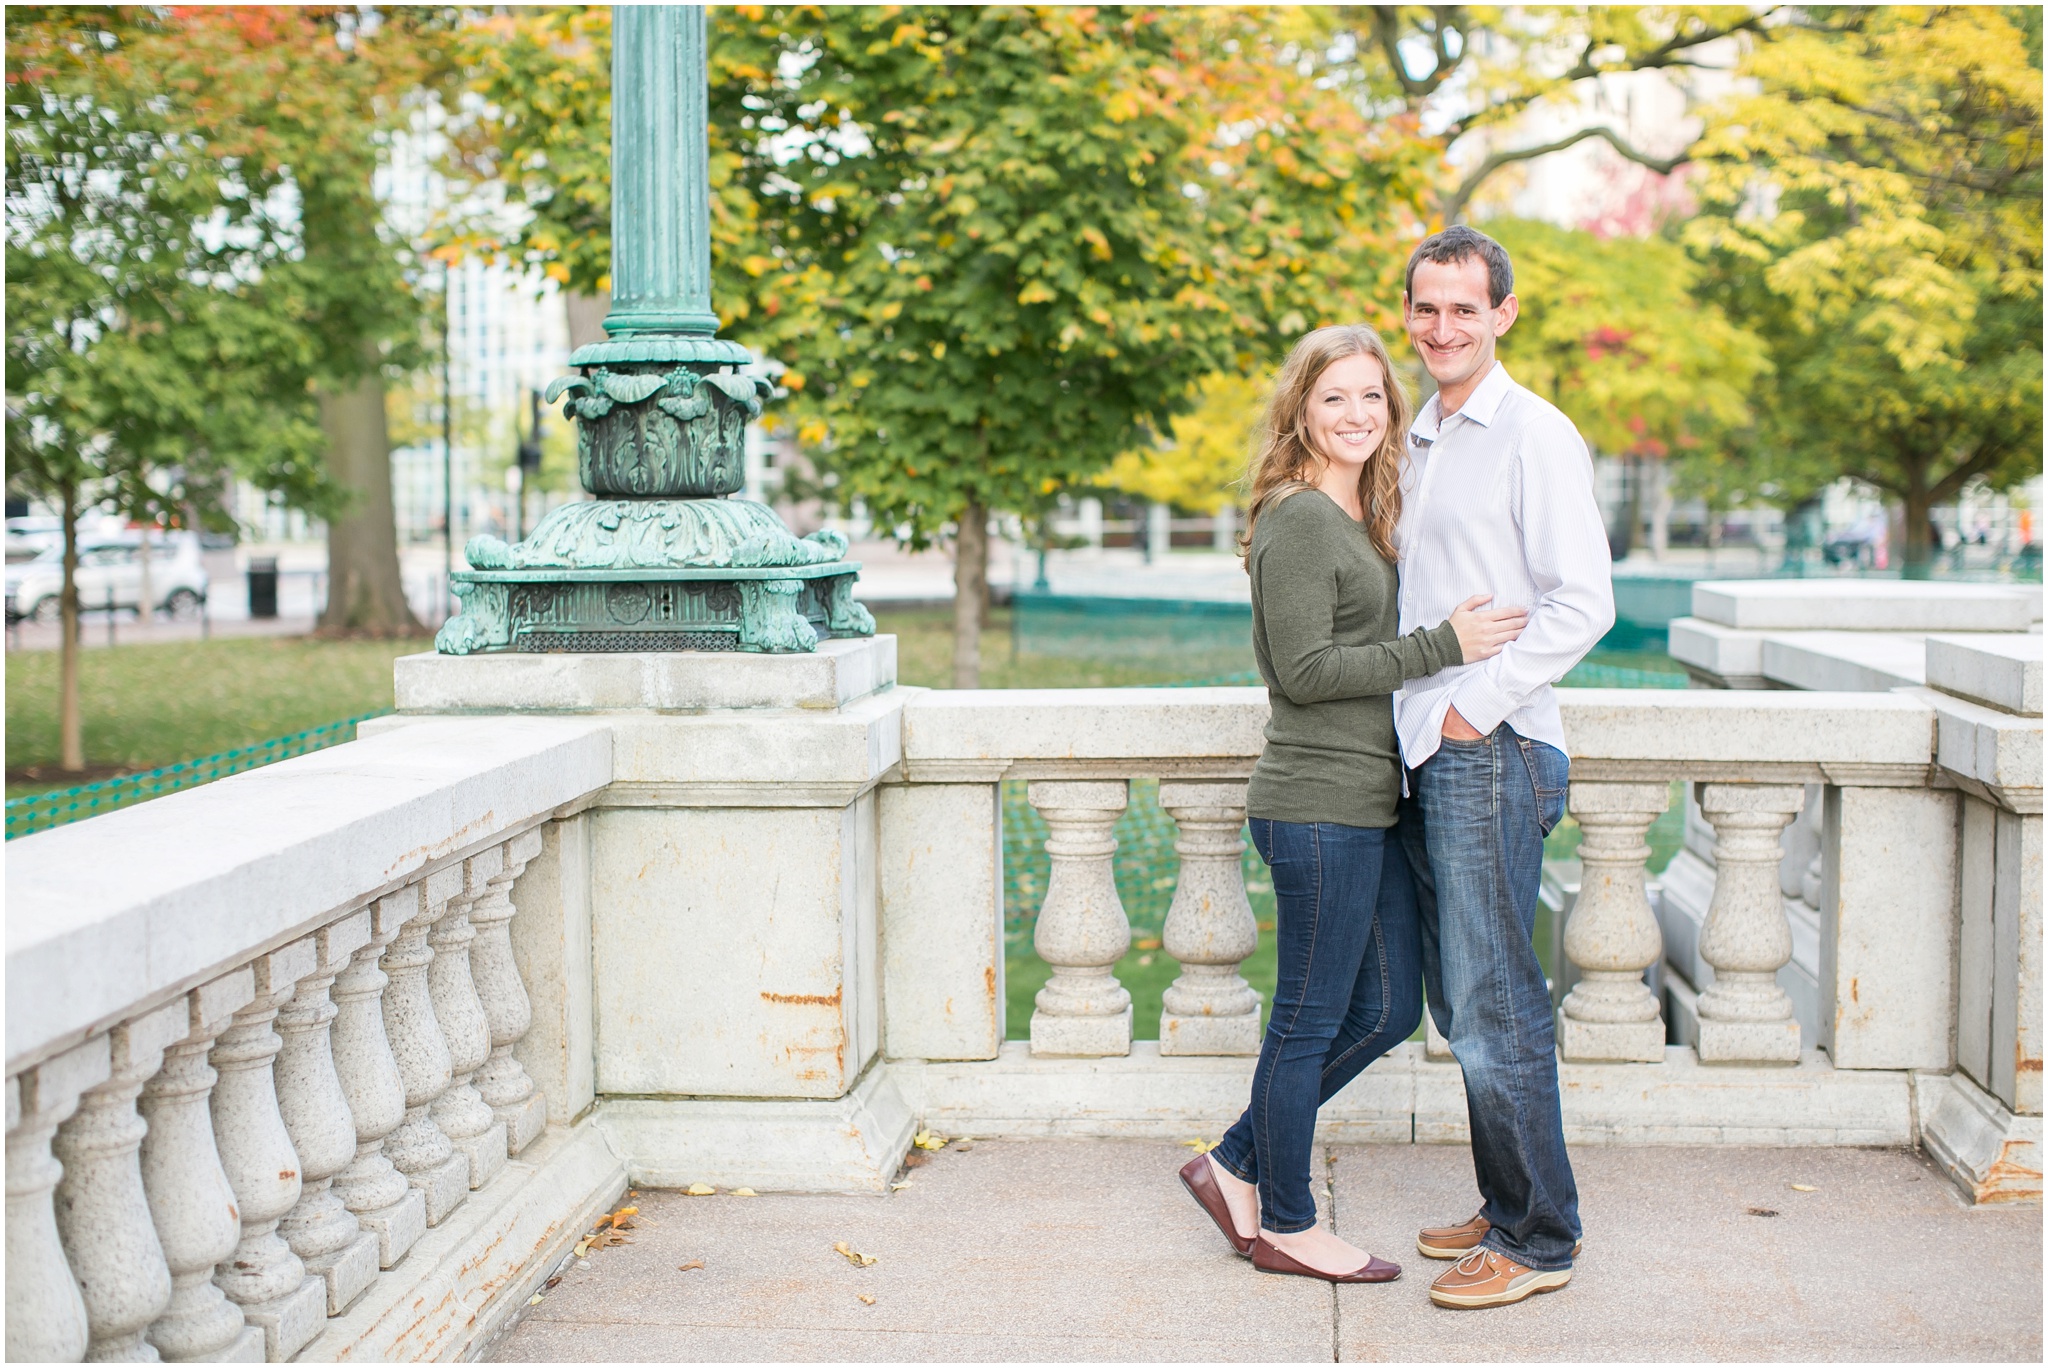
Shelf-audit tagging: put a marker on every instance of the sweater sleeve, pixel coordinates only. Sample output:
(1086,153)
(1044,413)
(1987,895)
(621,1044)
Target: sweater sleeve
(1295,580)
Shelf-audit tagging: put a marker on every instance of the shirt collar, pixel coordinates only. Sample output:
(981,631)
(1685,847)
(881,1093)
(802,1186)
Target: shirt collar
(1483,403)
(1429,422)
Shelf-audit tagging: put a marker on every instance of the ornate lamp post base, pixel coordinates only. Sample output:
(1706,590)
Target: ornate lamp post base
(663,558)
(779,609)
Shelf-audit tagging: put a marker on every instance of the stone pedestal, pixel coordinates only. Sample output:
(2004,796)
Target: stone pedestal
(942,915)
(730,877)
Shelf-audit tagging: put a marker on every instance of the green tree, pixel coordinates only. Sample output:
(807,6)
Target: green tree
(151,357)
(314,96)
(991,248)
(1873,210)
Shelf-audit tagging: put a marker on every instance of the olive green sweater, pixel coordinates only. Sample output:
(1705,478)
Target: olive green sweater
(1325,611)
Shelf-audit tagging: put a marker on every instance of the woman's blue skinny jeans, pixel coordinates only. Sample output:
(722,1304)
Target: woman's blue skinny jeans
(1349,990)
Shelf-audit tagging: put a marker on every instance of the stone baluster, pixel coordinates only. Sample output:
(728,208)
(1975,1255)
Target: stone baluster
(1612,934)
(1745,1016)
(1210,1009)
(1082,930)
(320,1228)
(418,1147)
(102,1212)
(263,1276)
(461,1112)
(378,1195)
(502,1082)
(190,1198)
(46,1317)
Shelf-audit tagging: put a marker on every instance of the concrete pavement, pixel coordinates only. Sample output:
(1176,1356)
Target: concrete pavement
(1088,1249)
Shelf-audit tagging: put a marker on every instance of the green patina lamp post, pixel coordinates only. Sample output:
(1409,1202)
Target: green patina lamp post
(662,559)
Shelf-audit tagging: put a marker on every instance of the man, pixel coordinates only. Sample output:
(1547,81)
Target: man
(1497,494)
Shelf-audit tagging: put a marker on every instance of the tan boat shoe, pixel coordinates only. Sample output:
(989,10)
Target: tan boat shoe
(1455,1242)
(1487,1277)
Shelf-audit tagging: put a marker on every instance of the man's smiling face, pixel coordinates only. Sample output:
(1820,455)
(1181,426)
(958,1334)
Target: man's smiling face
(1453,322)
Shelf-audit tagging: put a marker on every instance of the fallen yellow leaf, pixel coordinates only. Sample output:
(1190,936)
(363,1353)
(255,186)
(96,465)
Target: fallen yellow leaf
(700,1189)
(583,1247)
(533,1300)
(694,1263)
(745,1192)
(926,1140)
(898,1187)
(1802,1187)
(852,1255)
(1201,1146)
(866,1300)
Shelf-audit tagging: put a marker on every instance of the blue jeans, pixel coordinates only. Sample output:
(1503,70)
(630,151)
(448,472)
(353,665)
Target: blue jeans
(1349,990)
(1473,829)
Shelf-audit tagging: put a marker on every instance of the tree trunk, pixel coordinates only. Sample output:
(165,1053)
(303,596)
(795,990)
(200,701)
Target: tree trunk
(586,317)
(1918,562)
(1621,546)
(1660,511)
(70,727)
(145,605)
(365,595)
(970,589)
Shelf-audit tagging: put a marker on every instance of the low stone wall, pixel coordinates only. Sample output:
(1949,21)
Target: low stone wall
(266,1095)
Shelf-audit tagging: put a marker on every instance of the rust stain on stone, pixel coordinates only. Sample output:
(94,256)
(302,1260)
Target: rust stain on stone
(2009,1181)
(286,1175)
(1854,995)
(803,999)
(988,978)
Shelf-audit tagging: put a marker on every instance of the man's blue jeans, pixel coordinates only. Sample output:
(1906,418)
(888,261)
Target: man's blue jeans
(1473,830)
(1349,989)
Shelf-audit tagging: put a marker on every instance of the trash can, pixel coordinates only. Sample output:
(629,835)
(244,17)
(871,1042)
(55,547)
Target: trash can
(263,587)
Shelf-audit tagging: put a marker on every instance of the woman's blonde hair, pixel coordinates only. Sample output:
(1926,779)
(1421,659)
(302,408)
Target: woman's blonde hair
(1284,463)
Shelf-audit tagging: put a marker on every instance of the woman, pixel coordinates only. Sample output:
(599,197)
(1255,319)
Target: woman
(1319,546)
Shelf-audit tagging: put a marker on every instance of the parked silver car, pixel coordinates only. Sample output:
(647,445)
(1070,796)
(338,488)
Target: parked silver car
(110,575)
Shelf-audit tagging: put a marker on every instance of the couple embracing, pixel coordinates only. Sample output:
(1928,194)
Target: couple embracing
(1418,585)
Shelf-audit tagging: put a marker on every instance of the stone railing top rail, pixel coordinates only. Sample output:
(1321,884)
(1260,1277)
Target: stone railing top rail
(981,735)
(2003,672)
(1867,605)
(972,734)
(157,898)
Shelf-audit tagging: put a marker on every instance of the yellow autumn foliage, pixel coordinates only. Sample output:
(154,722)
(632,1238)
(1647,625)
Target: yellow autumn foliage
(1199,466)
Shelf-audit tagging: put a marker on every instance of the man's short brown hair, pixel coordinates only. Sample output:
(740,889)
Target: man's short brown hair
(1459,243)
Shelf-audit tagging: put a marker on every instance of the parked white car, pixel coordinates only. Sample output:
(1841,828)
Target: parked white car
(110,573)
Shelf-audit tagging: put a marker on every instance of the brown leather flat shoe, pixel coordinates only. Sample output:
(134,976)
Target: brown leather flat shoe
(1269,1259)
(1201,1185)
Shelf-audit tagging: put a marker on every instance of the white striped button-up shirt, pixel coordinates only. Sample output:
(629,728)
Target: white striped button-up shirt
(1498,499)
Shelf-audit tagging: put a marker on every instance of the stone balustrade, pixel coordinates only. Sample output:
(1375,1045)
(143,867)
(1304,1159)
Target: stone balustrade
(1851,789)
(1079,748)
(202,1173)
(338,1055)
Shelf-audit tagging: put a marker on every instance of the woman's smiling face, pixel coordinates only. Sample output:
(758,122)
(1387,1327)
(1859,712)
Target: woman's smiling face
(1347,411)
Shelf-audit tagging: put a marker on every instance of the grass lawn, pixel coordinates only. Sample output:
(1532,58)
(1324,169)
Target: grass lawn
(924,655)
(151,705)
